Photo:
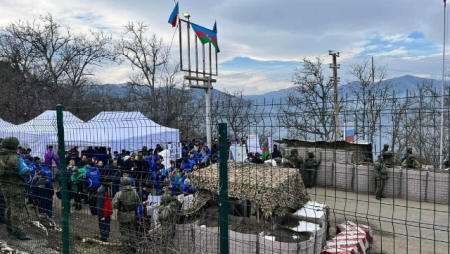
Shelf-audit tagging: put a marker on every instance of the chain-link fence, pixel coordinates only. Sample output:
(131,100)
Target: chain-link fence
(118,182)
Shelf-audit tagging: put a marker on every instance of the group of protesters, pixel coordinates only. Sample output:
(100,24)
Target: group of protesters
(97,175)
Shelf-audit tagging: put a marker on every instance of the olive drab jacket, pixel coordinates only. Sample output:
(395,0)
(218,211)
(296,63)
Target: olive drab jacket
(126,202)
(412,163)
(311,162)
(296,159)
(9,166)
(380,169)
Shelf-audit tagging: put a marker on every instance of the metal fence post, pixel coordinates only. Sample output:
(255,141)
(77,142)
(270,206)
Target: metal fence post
(63,177)
(223,198)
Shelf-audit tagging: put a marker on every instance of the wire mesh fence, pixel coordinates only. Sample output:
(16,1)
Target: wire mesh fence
(134,186)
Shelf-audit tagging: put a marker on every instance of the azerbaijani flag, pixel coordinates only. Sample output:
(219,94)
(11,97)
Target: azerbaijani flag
(174,16)
(215,27)
(265,151)
(206,36)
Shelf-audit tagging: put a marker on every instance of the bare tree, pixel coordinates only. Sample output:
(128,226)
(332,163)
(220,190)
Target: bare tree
(240,113)
(371,92)
(147,55)
(398,117)
(310,107)
(62,61)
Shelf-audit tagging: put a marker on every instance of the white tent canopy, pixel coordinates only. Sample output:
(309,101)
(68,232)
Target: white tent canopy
(41,131)
(118,130)
(121,130)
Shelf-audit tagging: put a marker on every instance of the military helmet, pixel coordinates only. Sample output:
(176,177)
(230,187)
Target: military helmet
(10,143)
(125,181)
(166,198)
(278,160)
(294,152)
(409,149)
(386,145)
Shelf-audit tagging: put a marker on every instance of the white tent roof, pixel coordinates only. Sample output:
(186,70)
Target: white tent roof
(4,124)
(121,130)
(118,130)
(40,131)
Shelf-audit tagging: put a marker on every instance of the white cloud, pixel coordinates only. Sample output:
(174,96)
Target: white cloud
(263,30)
(396,52)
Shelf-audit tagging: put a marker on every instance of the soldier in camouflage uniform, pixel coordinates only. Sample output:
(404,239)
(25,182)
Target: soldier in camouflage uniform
(411,163)
(407,154)
(387,156)
(126,202)
(168,217)
(12,185)
(381,176)
(296,159)
(311,165)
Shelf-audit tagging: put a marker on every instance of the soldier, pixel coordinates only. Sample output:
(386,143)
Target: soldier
(311,165)
(387,156)
(126,202)
(381,176)
(296,159)
(407,154)
(168,217)
(12,176)
(411,163)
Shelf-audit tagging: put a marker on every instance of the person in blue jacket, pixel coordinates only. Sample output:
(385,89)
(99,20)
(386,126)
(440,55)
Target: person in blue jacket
(155,166)
(186,187)
(35,167)
(92,184)
(44,192)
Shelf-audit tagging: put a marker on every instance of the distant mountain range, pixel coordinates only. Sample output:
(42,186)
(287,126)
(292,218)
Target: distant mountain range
(401,86)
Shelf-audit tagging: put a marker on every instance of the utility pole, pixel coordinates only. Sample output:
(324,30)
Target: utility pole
(335,80)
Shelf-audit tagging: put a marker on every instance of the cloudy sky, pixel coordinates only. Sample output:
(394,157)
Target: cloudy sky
(262,41)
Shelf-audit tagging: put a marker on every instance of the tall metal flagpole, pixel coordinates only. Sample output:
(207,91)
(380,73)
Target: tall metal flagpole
(441,146)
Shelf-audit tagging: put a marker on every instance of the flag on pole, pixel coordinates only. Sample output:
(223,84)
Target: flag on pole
(265,151)
(174,16)
(350,131)
(206,36)
(215,27)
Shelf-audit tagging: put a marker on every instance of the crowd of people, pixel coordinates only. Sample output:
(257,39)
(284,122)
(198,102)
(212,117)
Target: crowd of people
(100,178)
(125,180)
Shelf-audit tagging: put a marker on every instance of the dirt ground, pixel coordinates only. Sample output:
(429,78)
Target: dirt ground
(399,225)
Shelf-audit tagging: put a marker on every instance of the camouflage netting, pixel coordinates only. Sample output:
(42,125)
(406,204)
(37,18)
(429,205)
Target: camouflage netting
(275,189)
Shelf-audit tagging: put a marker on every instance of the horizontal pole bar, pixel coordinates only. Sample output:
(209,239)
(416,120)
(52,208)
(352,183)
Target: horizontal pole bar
(201,87)
(200,79)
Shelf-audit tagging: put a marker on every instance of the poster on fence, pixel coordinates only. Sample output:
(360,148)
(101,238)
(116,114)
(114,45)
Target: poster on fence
(175,150)
(238,153)
(166,157)
(253,144)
